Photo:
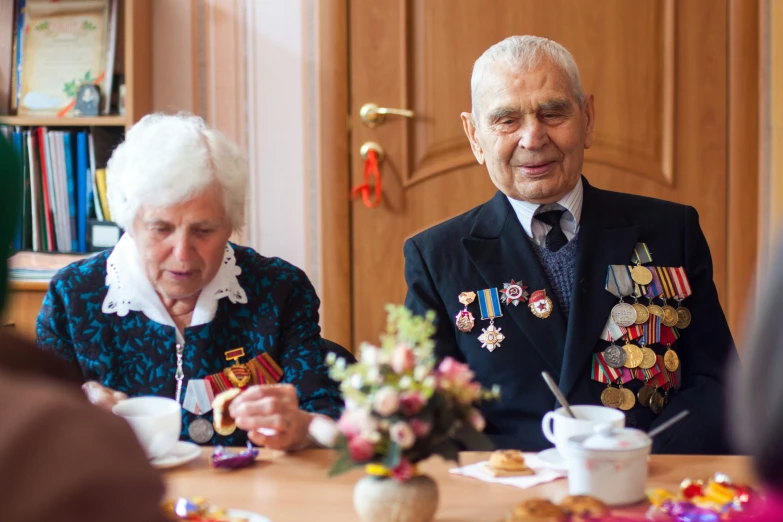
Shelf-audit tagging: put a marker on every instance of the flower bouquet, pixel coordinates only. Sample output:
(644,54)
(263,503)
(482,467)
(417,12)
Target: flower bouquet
(401,407)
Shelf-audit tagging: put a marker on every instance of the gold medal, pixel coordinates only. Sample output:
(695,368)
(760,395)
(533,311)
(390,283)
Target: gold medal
(633,355)
(654,309)
(628,399)
(671,360)
(683,318)
(642,314)
(670,317)
(611,397)
(656,402)
(238,374)
(464,319)
(648,358)
(641,275)
(644,395)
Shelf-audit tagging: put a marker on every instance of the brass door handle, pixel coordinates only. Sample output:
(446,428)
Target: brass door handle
(372,115)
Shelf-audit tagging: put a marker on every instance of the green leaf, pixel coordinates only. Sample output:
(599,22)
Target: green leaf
(342,465)
(393,456)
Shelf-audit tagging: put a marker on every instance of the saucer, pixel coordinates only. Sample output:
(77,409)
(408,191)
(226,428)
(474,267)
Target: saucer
(553,459)
(182,453)
(247,515)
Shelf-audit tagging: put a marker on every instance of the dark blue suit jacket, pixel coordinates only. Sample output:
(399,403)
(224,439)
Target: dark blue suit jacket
(487,246)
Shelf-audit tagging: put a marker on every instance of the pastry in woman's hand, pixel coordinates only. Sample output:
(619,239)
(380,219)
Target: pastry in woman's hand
(222,419)
(508,463)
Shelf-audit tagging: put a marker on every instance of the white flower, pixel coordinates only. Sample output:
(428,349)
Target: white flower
(386,401)
(374,376)
(420,372)
(369,355)
(402,434)
(429,382)
(357,381)
(324,430)
(405,382)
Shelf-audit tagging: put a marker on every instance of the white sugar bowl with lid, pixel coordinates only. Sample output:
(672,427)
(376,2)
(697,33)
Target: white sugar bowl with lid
(609,464)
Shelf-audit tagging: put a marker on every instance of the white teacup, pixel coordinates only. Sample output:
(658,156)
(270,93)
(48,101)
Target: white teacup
(156,421)
(558,427)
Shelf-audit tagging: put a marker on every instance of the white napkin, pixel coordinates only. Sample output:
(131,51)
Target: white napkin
(544,473)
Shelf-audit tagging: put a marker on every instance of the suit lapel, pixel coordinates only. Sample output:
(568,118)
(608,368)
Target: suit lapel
(501,251)
(605,238)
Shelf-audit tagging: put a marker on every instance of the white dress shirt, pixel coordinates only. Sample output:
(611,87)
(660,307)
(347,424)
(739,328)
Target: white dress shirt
(536,230)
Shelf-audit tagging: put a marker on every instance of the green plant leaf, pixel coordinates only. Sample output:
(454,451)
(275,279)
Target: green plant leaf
(393,455)
(342,465)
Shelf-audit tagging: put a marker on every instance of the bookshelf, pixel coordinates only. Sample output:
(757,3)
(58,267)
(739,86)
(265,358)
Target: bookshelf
(133,60)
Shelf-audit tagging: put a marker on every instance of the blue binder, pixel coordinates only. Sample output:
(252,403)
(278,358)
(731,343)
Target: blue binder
(82,168)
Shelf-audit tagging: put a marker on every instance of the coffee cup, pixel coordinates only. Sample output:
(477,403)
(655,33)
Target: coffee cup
(558,426)
(156,422)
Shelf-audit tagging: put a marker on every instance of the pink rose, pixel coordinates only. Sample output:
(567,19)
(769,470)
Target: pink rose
(356,421)
(477,420)
(402,359)
(401,433)
(403,471)
(361,449)
(411,403)
(420,428)
(386,401)
(455,372)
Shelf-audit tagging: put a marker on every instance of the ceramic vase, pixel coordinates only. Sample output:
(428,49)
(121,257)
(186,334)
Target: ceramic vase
(382,499)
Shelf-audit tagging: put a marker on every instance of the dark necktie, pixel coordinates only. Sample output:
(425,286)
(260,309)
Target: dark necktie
(555,238)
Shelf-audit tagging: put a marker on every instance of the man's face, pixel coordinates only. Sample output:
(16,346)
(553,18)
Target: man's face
(531,131)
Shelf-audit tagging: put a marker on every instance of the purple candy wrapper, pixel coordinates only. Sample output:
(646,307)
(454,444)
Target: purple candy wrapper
(225,458)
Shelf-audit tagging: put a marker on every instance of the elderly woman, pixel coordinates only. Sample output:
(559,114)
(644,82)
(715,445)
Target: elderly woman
(175,310)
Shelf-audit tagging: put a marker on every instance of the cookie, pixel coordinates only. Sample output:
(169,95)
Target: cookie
(221,419)
(583,507)
(507,463)
(537,510)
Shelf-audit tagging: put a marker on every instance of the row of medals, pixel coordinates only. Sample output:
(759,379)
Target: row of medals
(633,356)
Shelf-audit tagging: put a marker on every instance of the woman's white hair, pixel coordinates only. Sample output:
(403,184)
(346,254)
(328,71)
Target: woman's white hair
(525,53)
(169,159)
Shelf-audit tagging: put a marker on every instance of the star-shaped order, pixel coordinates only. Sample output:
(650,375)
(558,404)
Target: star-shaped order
(491,337)
(513,293)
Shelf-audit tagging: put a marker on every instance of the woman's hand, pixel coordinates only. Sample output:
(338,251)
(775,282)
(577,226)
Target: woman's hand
(102,396)
(273,409)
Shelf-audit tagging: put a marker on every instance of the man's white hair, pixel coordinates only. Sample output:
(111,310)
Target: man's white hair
(169,159)
(524,53)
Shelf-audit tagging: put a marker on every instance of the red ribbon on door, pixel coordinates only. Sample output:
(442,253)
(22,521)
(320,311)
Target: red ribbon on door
(371,171)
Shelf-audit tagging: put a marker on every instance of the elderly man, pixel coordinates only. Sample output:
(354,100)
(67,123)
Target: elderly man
(555,275)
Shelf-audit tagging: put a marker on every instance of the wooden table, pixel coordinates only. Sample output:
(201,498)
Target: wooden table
(295,487)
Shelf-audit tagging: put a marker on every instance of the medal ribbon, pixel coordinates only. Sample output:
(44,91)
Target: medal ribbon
(666,281)
(602,372)
(681,284)
(646,374)
(669,334)
(612,331)
(635,331)
(626,376)
(198,397)
(618,281)
(652,330)
(641,254)
(639,290)
(489,303)
(263,370)
(659,379)
(654,288)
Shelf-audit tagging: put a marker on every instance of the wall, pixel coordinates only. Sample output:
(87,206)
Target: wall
(241,64)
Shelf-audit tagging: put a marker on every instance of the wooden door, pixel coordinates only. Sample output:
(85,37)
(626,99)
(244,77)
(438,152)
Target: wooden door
(658,70)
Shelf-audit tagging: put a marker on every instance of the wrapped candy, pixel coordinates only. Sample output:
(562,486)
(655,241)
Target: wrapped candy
(715,501)
(225,458)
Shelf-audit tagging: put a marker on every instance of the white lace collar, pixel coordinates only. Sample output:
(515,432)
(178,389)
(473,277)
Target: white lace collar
(130,290)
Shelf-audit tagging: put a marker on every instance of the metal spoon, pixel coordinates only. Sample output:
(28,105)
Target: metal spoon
(560,397)
(677,418)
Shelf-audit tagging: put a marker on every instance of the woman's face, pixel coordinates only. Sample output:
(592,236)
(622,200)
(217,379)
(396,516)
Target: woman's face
(182,246)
